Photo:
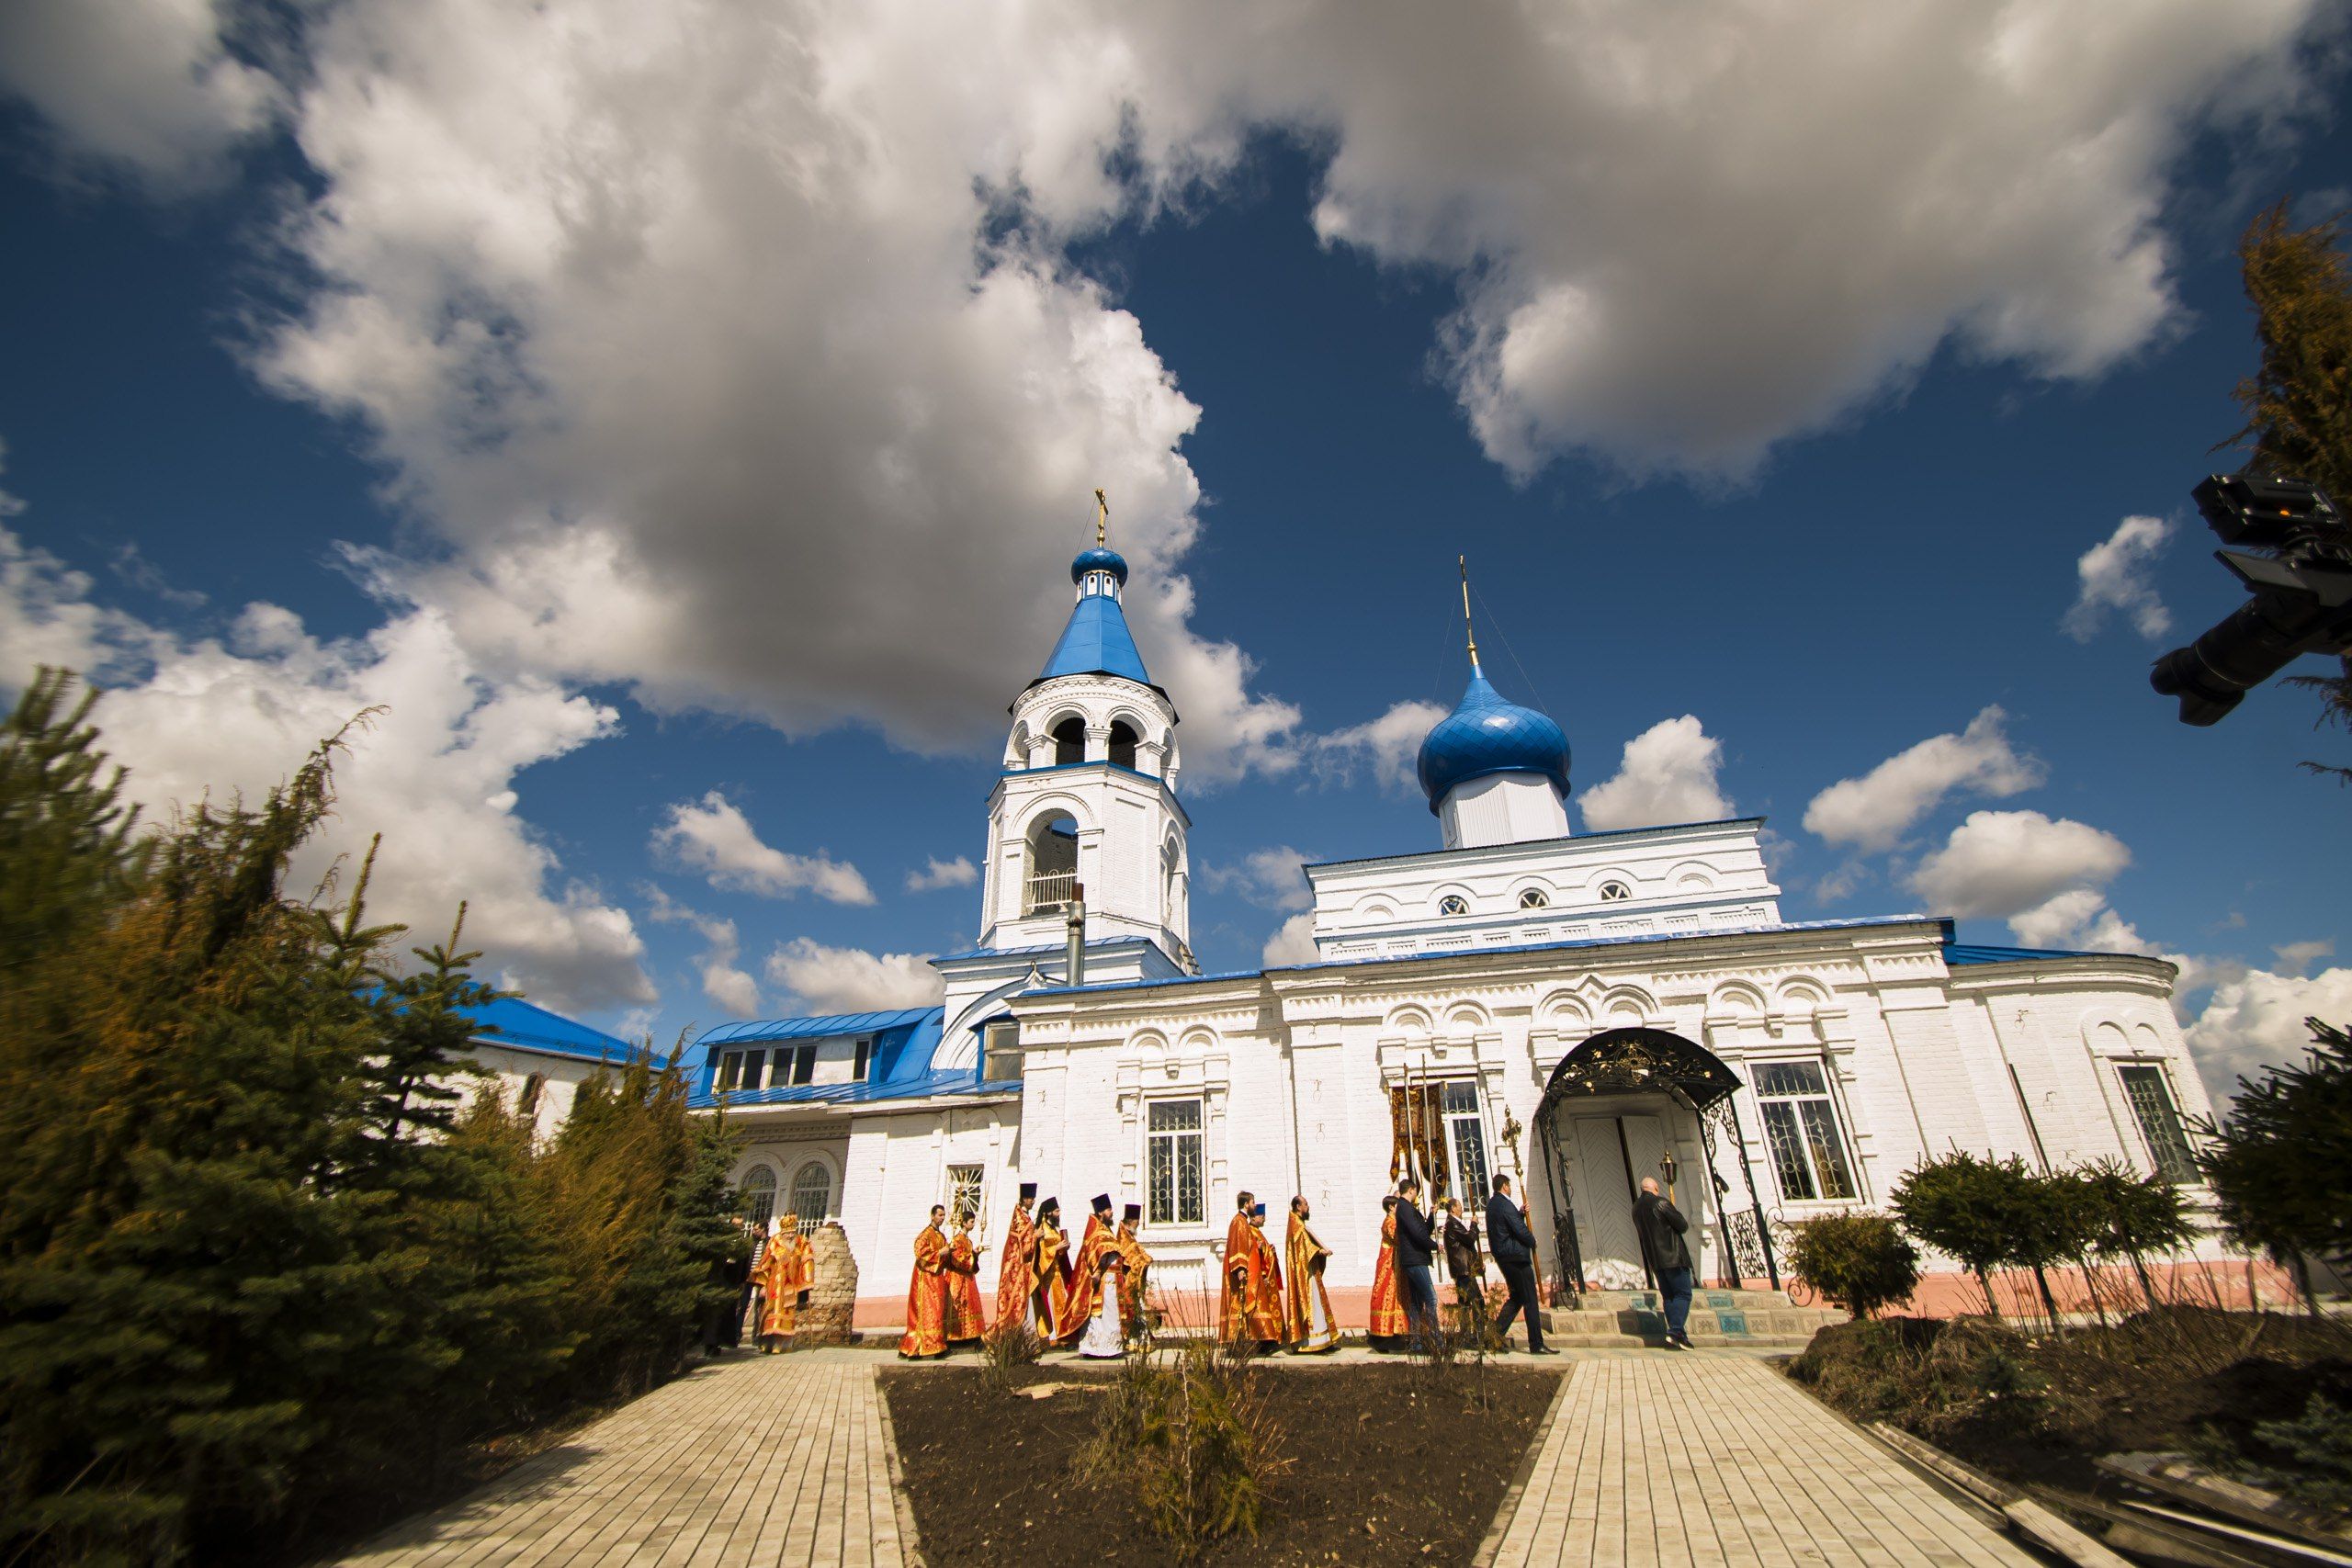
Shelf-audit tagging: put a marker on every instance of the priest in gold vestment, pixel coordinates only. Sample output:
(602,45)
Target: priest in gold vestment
(786,1268)
(1132,1282)
(926,1333)
(1251,1307)
(1086,1274)
(1308,1327)
(1012,1282)
(1048,1271)
(967,1320)
(1388,1325)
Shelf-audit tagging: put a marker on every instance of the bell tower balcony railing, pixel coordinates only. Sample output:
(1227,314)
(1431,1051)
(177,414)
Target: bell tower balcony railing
(1048,890)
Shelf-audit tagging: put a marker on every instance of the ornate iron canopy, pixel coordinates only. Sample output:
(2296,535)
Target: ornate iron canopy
(1618,1061)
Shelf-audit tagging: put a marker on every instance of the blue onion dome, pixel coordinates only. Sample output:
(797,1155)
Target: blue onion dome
(1483,735)
(1100,559)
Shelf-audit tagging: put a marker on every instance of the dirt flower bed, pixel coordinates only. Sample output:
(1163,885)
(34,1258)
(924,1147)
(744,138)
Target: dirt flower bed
(1388,1466)
(2041,1409)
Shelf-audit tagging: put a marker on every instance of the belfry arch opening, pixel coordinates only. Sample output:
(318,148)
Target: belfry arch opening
(1123,743)
(1069,740)
(1634,1103)
(1052,856)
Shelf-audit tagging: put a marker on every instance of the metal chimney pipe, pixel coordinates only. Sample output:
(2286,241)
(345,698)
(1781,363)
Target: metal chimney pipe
(1074,916)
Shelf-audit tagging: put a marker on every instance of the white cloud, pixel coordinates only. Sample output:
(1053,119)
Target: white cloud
(146,83)
(1269,878)
(2001,863)
(1386,748)
(2114,575)
(957,872)
(713,836)
(724,982)
(1874,812)
(1667,775)
(2256,1019)
(848,979)
(433,771)
(1293,943)
(2296,957)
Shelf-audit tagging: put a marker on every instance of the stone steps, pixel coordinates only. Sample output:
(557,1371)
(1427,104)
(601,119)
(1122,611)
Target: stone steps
(1717,1317)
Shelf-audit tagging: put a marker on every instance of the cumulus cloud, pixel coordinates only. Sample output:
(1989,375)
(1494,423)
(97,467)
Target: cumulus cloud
(1269,878)
(724,982)
(957,872)
(2114,575)
(1667,775)
(147,85)
(1382,749)
(2001,863)
(2256,1020)
(1293,943)
(1874,812)
(713,836)
(434,771)
(849,979)
(2295,958)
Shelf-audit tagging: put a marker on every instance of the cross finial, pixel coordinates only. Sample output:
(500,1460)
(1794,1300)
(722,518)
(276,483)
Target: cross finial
(1101,519)
(1467,630)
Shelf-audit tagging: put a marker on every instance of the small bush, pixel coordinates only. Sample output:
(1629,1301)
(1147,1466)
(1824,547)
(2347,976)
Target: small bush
(1008,1347)
(1933,1378)
(2309,1458)
(1859,1260)
(1189,1430)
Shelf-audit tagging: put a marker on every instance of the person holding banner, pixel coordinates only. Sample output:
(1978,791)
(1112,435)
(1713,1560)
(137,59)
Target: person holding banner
(1416,1250)
(1513,1245)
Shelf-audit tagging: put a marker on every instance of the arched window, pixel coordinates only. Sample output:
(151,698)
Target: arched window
(758,1194)
(1123,743)
(1614,893)
(1069,740)
(1453,904)
(1053,863)
(812,1194)
(1533,898)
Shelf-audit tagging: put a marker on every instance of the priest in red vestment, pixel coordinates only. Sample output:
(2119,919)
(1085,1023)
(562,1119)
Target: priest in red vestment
(787,1268)
(1012,1282)
(1251,1310)
(1086,1274)
(1131,1282)
(1308,1327)
(1266,1305)
(1388,1325)
(926,1333)
(967,1321)
(1048,1271)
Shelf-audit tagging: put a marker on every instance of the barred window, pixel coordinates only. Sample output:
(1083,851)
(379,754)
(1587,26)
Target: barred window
(1467,1132)
(812,1194)
(2151,1102)
(758,1195)
(1801,1128)
(1172,1134)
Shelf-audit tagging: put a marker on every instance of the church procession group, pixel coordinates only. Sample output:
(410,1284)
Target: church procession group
(1586,1012)
(1098,1300)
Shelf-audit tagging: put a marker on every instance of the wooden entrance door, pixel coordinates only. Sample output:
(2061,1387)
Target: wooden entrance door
(1604,1147)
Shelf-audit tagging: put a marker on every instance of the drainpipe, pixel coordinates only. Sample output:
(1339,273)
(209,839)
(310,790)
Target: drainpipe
(1074,916)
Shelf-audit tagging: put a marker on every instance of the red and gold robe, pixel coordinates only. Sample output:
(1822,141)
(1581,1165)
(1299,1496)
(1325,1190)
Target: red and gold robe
(1049,1271)
(1252,1306)
(1305,1293)
(1013,1282)
(967,1320)
(1388,1310)
(1085,1298)
(1132,1282)
(926,1332)
(786,1268)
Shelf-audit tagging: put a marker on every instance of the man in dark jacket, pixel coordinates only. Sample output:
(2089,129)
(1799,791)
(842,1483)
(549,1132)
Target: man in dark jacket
(1661,1227)
(1461,1261)
(1513,1246)
(1416,1250)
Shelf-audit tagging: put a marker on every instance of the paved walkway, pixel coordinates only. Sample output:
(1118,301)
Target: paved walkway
(1711,1456)
(760,1460)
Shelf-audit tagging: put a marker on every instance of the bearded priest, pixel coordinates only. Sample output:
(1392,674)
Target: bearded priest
(1251,1310)
(1012,1282)
(1047,1270)
(1308,1327)
(967,1321)
(926,1335)
(1134,1277)
(1266,1305)
(1085,1301)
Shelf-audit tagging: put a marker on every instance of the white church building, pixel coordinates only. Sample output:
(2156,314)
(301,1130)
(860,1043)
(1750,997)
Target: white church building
(1578,1011)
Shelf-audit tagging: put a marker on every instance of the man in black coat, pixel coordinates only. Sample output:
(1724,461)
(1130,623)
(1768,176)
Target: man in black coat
(1661,1227)
(1513,1246)
(1461,1261)
(1416,1250)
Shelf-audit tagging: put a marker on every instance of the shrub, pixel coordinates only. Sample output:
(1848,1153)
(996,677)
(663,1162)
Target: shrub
(2134,1217)
(1859,1260)
(2282,1165)
(1189,1431)
(1937,1379)
(1010,1345)
(1971,1209)
(2312,1460)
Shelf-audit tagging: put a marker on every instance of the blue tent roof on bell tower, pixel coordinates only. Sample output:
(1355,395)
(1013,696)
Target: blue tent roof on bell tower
(1096,641)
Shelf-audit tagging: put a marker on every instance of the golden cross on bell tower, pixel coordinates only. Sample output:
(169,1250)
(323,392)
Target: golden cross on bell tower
(1467,630)
(1101,519)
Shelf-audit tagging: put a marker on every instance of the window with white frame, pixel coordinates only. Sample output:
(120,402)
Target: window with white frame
(1614,893)
(963,1190)
(1801,1131)
(1465,1132)
(1453,904)
(1172,1163)
(864,1061)
(1001,1052)
(2145,1087)
(731,1071)
(812,1194)
(1535,899)
(758,1194)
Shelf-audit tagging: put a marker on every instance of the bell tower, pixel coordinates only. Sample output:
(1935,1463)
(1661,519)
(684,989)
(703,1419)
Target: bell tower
(1086,797)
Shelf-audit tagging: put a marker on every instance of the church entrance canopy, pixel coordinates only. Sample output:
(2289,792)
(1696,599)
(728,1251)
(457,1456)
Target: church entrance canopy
(1607,1119)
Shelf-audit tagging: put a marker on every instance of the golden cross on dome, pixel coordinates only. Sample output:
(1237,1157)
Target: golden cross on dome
(1101,519)
(1467,630)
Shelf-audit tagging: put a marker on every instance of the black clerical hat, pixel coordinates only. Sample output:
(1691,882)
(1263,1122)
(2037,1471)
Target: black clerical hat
(1101,1202)
(1134,1212)
(1029,1190)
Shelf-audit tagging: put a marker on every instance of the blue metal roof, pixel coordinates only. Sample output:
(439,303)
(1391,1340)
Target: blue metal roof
(905,1042)
(511,1020)
(1485,734)
(1100,559)
(949,1080)
(1959,953)
(814,1028)
(1096,642)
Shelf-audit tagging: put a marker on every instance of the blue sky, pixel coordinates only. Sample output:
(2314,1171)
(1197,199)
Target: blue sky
(696,540)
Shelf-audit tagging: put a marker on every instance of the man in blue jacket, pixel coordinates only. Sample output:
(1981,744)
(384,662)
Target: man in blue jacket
(1512,1245)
